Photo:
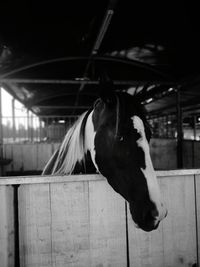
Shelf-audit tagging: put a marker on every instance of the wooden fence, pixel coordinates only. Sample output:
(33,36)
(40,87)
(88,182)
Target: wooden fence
(80,221)
(34,156)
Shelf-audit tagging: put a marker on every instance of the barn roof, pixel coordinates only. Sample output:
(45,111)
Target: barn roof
(52,53)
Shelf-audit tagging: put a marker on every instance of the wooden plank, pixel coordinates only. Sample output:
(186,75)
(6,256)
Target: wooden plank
(179,172)
(107,226)
(9,180)
(18,159)
(8,154)
(179,228)
(35,226)
(44,153)
(146,249)
(188,160)
(29,154)
(196,154)
(197,195)
(70,225)
(7,254)
(174,243)
(48,179)
(164,147)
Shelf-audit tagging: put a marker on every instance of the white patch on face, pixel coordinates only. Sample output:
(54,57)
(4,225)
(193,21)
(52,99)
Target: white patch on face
(89,139)
(149,172)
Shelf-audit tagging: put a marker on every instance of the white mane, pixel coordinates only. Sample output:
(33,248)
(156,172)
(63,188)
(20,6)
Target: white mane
(71,151)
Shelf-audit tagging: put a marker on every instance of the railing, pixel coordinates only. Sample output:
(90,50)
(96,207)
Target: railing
(32,157)
(80,221)
(35,129)
(166,127)
(53,128)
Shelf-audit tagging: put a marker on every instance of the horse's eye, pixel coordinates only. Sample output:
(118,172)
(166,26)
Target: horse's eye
(137,135)
(121,139)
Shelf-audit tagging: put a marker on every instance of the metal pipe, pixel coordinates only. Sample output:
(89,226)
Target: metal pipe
(193,143)
(16,226)
(81,81)
(103,30)
(13,119)
(61,107)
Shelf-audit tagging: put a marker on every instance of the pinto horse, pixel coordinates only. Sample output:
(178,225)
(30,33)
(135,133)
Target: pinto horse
(112,138)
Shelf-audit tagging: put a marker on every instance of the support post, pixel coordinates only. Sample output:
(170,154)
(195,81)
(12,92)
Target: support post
(28,125)
(179,130)
(31,127)
(13,119)
(16,225)
(193,143)
(1,133)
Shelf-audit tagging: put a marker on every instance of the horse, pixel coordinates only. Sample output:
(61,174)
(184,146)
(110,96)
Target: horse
(112,138)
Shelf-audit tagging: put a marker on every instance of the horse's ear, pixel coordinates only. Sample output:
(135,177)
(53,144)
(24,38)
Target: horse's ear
(106,89)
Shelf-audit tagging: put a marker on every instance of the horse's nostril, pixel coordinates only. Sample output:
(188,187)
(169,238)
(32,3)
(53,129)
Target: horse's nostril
(154,213)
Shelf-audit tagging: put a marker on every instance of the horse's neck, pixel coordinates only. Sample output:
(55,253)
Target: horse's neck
(86,166)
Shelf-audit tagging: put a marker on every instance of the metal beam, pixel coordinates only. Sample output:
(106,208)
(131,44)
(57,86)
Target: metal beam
(126,61)
(39,99)
(77,82)
(103,30)
(61,107)
(179,130)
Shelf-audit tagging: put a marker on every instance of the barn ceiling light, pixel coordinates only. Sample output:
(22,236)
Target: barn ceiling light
(61,121)
(149,100)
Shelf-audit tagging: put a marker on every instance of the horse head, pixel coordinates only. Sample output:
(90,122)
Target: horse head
(115,136)
(120,152)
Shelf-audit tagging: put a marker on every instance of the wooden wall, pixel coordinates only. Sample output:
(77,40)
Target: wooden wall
(33,157)
(80,221)
(28,157)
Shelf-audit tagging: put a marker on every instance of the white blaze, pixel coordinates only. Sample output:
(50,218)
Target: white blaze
(149,172)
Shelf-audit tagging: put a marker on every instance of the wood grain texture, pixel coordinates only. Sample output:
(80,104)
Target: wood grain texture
(179,228)
(70,225)
(188,154)
(9,180)
(146,249)
(18,157)
(8,154)
(35,226)
(44,153)
(7,253)
(196,154)
(107,226)
(174,243)
(34,156)
(30,155)
(166,148)
(197,193)
(82,223)
(49,179)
